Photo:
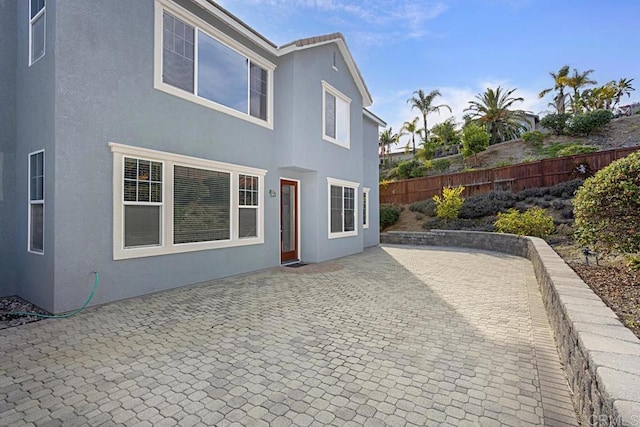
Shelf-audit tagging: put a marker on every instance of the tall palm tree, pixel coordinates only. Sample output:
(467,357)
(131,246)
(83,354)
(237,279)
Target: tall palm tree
(411,128)
(423,102)
(623,86)
(492,110)
(387,139)
(559,83)
(577,81)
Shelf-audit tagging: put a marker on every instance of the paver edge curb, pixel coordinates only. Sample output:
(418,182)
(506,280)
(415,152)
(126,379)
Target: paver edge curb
(601,356)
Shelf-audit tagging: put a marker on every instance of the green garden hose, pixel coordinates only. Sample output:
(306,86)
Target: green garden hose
(65,315)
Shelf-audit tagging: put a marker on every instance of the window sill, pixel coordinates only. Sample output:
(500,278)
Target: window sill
(342,235)
(130,253)
(345,145)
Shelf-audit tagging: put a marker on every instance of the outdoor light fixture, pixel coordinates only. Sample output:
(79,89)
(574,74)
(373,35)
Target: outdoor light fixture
(272,193)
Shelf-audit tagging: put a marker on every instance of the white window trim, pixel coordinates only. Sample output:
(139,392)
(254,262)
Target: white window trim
(42,12)
(367,204)
(327,88)
(35,202)
(200,25)
(342,183)
(170,160)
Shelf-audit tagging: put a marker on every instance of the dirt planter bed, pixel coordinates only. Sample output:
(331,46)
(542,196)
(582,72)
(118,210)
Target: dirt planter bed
(601,356)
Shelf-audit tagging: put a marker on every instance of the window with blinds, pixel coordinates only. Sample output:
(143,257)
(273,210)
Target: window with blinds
(201,205)
(167,203)
(142,200)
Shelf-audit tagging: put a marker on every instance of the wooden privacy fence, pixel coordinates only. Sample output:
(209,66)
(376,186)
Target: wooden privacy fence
(543,173)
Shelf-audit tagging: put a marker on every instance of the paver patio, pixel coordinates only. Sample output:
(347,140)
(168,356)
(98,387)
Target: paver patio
(392,336)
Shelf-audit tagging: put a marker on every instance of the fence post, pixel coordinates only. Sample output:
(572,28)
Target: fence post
(406,191)
(541,168)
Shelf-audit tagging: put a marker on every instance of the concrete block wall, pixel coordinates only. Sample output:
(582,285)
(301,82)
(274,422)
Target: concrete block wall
(601,356)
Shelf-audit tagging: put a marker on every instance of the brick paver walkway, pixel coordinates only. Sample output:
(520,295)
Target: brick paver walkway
(393,336)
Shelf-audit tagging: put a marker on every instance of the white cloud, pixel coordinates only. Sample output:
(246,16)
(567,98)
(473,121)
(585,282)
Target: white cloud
(371,23)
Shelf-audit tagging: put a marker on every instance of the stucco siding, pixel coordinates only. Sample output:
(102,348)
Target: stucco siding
(7,145)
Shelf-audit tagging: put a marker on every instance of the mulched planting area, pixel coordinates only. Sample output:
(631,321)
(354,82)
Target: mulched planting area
(11,305)
(618,287)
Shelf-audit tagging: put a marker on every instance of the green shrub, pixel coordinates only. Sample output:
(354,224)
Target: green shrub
(389,215)
(607,207)
(427,207)
(528,193)
(533,138)
(448,206)
(555,122)
(566,190)
(411,169)
(573,149)
(586,124)
(441,165)
(532,222)
(489,203)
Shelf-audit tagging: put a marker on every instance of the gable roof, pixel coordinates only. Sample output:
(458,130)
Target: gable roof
(238,25)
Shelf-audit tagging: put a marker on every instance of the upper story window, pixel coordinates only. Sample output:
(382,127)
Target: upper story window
(166,203)
(201,64)
(36,30)
(335,116)
(36,202)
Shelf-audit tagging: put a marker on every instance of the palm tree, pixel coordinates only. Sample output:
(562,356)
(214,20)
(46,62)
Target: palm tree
(623,87)
(423,102)
(576,81)
(492,110)
(559,83)
(387,138)
(411,128)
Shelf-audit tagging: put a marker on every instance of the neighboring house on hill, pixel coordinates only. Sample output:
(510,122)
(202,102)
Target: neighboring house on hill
(165,143)
(396,157)
(531,122)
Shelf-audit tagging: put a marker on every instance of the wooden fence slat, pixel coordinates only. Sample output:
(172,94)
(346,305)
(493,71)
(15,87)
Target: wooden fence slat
(543,173)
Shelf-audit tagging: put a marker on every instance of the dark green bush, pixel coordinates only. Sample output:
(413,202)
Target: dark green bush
(534,138)
(528,193)
(427,207)
(566,190)
(411,169)
(487,204)
(389,215)
(588,123)
(607,207)
(441,165)
(555,122)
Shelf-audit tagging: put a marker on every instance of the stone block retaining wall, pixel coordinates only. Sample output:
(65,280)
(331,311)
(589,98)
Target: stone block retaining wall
(601,356)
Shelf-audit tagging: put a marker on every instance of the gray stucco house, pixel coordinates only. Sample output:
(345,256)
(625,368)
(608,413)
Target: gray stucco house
(164,143)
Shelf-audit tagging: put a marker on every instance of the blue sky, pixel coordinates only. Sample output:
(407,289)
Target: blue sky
(462,46)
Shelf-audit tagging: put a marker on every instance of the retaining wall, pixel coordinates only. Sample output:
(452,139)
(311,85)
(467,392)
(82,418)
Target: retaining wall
(601,356)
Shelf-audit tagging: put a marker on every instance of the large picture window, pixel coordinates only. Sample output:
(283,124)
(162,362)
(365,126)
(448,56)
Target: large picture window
(335,118)
(36,202)
(342,208)
(209,68)
(37,27)
(166,203)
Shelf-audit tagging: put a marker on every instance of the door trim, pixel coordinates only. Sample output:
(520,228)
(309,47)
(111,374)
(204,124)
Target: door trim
(298,217)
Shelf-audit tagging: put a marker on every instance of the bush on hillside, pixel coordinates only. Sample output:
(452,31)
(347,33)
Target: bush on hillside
(412,169)
(389,215)
(427,207)
(532,222)
(487,204)
(566,190)
(448,206)
(607,207)
(555,122)
(588,123)
(573,149)
(534,138)
(441,165)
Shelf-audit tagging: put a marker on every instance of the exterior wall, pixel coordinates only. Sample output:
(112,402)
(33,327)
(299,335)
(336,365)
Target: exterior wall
(7,145)
(124,107)
(95,85)
(370,180)
(35,129)
(308,151)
